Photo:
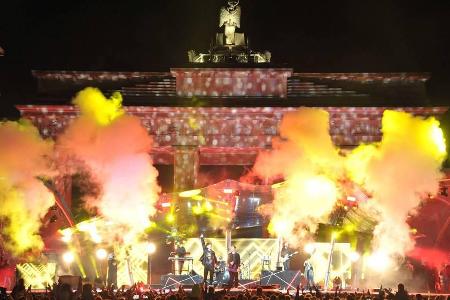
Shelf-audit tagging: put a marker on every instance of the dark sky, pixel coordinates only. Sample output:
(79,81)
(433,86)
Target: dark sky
(361,36)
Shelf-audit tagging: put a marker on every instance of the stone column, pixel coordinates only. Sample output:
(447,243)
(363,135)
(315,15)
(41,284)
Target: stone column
(186,164)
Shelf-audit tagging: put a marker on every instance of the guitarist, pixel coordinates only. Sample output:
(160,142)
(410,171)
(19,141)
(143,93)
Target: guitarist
(234,261)
(285,255)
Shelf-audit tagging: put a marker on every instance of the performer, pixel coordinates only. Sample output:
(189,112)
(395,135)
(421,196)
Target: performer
(208,260)
(112,270)
(234,261)
(285,255)
(180,251)
(309,273)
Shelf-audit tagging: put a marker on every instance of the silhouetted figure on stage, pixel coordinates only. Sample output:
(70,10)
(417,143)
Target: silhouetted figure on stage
(112,270)
(309,274)
(19,291)
(234,261)
(285,253)
(180,252)
(209,261)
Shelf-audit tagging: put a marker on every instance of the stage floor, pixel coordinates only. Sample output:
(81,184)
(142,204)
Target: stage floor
(373,292)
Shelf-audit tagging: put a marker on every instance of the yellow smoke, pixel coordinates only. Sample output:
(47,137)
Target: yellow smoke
(93,104)
(24,199)
(398,172)
(306,157)
(115,149)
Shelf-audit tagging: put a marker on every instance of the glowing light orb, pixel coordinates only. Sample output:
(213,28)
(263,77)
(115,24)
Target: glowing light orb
(309,248)
(378,261)
(101,253)
(354,256)
(66,235)
(68,257)
(170,218)
(151,248)
(279,227)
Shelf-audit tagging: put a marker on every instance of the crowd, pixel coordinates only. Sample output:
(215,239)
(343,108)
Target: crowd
(63,291)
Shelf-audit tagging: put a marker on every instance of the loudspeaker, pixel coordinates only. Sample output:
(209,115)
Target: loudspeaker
(174,281)
(71,280)
(283,278)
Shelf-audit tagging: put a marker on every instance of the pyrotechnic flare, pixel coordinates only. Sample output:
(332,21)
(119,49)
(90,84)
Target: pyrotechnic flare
(115,149)
(24,200)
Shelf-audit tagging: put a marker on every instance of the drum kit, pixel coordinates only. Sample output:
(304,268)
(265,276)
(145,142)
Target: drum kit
(221,273)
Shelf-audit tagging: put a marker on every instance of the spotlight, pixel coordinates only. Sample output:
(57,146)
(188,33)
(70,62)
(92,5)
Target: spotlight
(151,248)
(228,191)
(68,257)
(354,256)
(101,253)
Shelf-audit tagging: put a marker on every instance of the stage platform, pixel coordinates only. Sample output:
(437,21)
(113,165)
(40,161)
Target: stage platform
(235,291)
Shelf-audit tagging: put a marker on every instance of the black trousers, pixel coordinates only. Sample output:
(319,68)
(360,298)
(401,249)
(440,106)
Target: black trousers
(208,270)
(180,266)
(234,279)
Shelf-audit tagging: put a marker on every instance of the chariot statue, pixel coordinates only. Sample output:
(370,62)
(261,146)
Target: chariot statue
(230,19)
(229,45)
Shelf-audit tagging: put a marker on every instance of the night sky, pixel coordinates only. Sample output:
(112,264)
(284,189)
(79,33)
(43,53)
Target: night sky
(152,35)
